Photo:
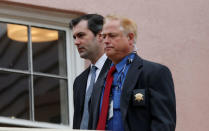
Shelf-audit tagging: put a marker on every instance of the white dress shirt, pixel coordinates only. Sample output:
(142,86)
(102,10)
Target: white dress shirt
(99,64)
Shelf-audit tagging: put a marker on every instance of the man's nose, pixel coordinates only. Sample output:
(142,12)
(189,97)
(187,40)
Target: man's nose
(76,41)
(106,40)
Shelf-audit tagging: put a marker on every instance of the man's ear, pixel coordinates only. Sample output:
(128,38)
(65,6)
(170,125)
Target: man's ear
(99,36)
(131,37)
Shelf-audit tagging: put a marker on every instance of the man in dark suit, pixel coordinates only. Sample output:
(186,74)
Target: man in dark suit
(87,37)
(142,96)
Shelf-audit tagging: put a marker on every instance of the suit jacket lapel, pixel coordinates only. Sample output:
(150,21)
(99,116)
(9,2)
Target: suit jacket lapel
(100,82)
(129,83)
(96,94)
(105,68)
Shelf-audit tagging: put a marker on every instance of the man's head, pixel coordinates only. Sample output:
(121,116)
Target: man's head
(87,37)
(119,36)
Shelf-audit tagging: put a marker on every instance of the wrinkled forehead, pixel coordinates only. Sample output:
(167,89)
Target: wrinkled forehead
(112,26)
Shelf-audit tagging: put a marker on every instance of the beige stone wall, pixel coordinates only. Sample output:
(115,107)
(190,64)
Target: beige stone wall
(171,32)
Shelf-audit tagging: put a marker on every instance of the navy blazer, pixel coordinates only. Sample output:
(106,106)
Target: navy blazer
(156,111)
(79,91)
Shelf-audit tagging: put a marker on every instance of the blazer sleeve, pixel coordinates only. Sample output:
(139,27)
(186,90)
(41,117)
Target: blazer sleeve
(162,100)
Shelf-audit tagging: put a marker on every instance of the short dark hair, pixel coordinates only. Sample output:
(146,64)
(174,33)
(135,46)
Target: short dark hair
(95,22)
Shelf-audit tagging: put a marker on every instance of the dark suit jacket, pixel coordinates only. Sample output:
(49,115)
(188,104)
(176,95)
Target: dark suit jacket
(157,110)
(79,91)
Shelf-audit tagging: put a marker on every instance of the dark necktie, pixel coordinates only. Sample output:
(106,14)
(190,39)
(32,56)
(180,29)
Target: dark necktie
(105,102)
(85,118)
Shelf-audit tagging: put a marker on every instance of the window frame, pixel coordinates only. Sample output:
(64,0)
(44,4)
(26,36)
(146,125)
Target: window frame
(75,65)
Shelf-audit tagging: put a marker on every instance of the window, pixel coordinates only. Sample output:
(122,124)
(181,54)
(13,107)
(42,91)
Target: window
(38,64)
(33,73)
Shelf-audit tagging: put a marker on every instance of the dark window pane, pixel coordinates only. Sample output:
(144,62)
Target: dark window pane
(50,100)
(13,46)
(49,51)
(14,95)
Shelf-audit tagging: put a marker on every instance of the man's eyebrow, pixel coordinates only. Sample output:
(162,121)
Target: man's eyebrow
(79,33)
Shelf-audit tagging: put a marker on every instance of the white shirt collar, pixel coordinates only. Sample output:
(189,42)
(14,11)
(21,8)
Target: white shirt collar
(100,62)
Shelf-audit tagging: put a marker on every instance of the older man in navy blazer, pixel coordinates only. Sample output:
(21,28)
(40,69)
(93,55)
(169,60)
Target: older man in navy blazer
(142,96)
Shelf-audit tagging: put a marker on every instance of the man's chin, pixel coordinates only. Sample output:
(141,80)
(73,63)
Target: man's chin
(109,54)
(82,55)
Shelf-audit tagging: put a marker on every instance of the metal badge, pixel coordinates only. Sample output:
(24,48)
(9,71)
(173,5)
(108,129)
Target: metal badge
(139,97)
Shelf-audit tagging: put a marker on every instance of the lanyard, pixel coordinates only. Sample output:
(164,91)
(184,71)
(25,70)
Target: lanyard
(121,75)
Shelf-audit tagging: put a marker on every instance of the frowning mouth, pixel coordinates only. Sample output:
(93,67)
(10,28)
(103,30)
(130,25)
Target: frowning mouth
(81,49)
(108,47)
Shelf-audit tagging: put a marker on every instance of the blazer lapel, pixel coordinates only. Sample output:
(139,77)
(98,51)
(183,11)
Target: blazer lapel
(96,94)
(100,82)
(105,68)
(129,84)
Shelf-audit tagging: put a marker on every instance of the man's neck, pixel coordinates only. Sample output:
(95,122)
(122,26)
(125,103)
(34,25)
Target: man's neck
(96,58)
(117,60)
